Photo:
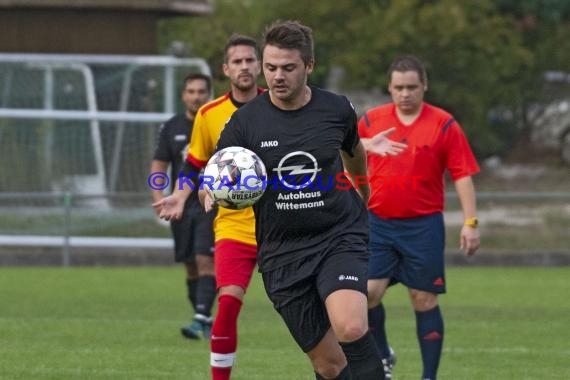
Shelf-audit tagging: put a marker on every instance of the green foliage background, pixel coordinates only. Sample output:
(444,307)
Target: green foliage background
(481,55)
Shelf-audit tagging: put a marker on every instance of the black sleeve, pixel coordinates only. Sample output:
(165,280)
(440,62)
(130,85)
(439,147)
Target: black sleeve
(351,138)
(188,168)
(162,151)
(231,134)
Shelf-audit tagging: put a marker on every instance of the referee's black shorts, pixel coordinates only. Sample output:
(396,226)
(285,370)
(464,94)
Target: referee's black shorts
(298,290)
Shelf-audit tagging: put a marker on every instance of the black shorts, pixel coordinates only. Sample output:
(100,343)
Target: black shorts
(193,234)
(298,290)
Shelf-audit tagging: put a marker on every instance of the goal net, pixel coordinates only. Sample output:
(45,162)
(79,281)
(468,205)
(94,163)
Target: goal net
(77,134)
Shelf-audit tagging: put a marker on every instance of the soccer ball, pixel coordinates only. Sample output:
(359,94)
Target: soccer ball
(234,177)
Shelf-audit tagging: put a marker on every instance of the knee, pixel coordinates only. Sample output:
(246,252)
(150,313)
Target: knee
(423,301)
(232,290)
(205,265)
(374,297)
(351,330)
(376,290)
(328,367)
(191,270)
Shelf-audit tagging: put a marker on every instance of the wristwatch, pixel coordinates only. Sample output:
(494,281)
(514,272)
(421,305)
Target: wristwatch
(471,222)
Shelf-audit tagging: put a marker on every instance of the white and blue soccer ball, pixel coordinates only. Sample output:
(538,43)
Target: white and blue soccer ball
(234,177)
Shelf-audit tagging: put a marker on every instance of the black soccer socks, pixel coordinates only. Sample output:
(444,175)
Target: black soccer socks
(362,356)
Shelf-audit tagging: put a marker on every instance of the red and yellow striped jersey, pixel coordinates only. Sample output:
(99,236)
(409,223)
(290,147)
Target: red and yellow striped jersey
(237,225)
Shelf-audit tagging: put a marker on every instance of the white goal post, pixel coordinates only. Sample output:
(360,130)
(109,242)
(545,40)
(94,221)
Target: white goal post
(82,125)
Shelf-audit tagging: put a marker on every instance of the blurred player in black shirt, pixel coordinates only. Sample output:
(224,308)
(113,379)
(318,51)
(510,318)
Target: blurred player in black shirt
(193,234)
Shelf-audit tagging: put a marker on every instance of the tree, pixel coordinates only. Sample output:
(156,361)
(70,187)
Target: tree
(544,26)
(473,57)
(483,61)
(208,35)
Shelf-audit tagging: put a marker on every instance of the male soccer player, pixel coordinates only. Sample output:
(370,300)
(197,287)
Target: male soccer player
(193,234)
(405,208)
(312,236)
(235,246)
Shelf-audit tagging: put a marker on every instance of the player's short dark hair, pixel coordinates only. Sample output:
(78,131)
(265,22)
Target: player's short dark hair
(197,76)
(290,35)
(238,40)
(408,63)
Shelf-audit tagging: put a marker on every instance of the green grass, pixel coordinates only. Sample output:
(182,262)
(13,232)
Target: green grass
(122,323)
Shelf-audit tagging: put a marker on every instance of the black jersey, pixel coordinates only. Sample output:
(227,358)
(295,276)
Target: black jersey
(302,210)
(172,146)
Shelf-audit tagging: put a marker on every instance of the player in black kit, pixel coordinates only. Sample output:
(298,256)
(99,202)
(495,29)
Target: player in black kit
(193,234)
(311,229)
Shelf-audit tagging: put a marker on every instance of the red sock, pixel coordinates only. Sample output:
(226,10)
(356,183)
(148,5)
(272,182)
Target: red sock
(223,341)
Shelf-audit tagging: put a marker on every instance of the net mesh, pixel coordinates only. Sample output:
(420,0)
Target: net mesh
(101,165)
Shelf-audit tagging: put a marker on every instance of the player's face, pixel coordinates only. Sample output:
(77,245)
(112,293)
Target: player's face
(285,74)
(242,67)
(407,91)
(195,94)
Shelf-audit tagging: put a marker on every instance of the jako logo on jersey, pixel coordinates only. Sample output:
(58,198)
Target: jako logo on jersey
(269,144)
(288,174)
(343,277)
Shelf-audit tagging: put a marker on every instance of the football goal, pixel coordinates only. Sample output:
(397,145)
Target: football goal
(77,133)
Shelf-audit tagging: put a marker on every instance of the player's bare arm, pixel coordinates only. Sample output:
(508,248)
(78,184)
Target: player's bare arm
(157,195)
(356,166)
(382,145)
(470,236)
(172,206)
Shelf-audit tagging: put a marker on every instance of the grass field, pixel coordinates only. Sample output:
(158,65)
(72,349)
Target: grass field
(122,323)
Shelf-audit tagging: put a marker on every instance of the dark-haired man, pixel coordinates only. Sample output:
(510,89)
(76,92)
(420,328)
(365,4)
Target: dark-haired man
(193,234)
(235,246)
(406,223)
(312,239)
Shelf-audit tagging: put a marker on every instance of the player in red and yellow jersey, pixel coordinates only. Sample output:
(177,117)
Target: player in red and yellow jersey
(235,245)
(407,201)
(209,123)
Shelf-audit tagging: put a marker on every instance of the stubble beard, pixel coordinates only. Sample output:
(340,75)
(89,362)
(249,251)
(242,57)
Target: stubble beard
(244,87)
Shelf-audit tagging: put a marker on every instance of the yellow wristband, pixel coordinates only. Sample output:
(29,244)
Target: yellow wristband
(471,222)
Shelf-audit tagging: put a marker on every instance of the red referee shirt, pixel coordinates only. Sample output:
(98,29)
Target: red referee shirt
(411,184)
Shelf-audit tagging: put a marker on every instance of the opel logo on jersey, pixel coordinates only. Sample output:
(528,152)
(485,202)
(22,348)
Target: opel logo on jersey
(297,170)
